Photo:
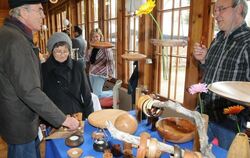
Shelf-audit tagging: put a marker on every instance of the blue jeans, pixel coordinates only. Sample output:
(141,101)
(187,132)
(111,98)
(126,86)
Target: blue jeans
(224,135)
(28,150)
(97,83)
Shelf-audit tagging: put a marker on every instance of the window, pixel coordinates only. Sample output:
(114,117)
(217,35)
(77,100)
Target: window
(81,12)
(174,17)
(110,24)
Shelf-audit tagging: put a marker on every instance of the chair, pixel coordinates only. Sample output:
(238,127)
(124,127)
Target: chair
(112,102)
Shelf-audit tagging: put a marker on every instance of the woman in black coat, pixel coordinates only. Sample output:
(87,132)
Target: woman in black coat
(64,79)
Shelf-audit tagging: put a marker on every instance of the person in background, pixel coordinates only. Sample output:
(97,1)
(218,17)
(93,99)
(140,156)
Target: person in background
(227,59)
(64,80)
(101,65)
(22,100)
(79,42)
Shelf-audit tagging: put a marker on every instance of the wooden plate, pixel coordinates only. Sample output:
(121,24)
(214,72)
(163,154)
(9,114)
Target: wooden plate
(100,44)
(133,56)
(99,118)
(236,91)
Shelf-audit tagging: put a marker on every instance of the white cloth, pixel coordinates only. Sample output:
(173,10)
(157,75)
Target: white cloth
(96,102)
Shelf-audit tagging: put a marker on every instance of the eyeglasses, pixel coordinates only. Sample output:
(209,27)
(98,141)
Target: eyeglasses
(59,52)
(221,9)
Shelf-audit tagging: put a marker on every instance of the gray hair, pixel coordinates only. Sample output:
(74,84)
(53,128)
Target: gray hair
(244,4)
(15,12)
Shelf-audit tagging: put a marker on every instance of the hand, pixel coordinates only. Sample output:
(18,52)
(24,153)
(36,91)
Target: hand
(71,123)
(200,52)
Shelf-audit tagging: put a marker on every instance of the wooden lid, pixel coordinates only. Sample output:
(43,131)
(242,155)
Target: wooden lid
(236,91)
(100,44)
(99,118)
(133,56)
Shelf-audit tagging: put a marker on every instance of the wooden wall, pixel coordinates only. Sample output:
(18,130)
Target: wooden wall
(4,10)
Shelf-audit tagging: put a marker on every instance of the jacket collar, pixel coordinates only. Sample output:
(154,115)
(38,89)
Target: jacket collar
(17,24)
(52,63)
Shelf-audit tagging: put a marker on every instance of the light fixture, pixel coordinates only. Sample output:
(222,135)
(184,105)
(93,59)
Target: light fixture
(44,28)
(53,1)
(66,22)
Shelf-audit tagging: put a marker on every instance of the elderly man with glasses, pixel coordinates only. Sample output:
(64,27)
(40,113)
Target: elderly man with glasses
(227,59)
(21,99)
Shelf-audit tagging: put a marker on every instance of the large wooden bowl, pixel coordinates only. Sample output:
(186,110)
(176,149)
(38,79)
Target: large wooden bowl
(176,129)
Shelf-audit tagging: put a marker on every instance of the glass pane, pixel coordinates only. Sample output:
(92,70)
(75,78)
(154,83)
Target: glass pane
(248,15)
(96,25)
(131,33)
(167,27)
(113,6)
(96,10)
(113,31)
(176,3)
(185,3)
(175,24)
(136,33)
(167,4)
(184,24)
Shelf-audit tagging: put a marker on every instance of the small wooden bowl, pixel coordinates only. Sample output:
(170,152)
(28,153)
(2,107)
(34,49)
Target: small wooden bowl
(74,140)
(75,152)
(176,129)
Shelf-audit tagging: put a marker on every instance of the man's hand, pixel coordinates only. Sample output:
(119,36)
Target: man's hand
(71,123)
(200,52)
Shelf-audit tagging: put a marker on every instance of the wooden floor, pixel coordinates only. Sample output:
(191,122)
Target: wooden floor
(3,149)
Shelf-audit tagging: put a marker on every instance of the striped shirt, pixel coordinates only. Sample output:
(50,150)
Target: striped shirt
(104,64)
(228,59)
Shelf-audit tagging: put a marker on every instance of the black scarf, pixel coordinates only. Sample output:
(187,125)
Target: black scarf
(93,55)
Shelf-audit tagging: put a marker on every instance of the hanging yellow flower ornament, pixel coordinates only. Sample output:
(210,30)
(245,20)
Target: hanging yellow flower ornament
(146,8)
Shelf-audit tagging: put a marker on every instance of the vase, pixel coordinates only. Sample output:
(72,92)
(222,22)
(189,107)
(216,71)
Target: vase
(239,147)
(196,142)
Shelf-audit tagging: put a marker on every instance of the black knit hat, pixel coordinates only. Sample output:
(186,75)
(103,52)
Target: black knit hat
(17,3)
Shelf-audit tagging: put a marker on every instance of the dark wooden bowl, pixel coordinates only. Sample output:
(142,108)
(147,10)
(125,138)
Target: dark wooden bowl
(74,140)
(176,129)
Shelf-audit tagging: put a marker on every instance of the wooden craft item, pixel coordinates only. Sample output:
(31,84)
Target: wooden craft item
(75,152)
(126,123)
(142,150)
(176,129)
(190,154)
(62,132)
(74,140)
(99,118)
(133,56)
(100,44)
(107,154)
(239,147)
(153,150)
(233,90)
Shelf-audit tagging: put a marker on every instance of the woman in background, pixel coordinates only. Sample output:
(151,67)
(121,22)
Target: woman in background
(101,65)
(64,80)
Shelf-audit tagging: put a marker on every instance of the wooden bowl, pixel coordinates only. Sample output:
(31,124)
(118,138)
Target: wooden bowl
(176,129)
(126,123)
(74,140)
(75,152)
(101,44)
